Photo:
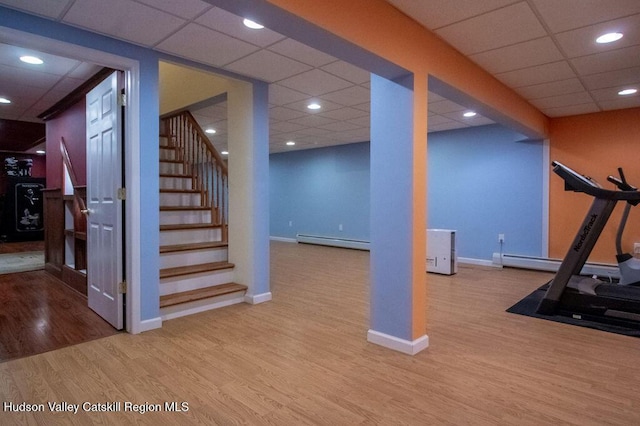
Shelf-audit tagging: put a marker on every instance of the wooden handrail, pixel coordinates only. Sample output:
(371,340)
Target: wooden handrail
(72,175)
(202,161)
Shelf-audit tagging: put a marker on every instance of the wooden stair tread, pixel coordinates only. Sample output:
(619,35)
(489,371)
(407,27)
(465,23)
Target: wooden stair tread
(172,161)
(192,246)
(180,191)
(194,269)
(186,226)
(203,293)
(182,208)
(176,175)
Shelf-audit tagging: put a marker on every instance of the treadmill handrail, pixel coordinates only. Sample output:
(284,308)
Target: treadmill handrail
(580,183)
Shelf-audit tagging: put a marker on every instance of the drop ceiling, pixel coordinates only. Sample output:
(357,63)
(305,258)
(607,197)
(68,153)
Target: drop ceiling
(543,49)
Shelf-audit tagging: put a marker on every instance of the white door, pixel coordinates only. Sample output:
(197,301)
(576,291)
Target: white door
(104,224)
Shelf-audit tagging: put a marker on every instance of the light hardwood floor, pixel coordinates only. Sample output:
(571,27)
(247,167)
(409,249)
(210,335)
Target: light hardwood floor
(303,359)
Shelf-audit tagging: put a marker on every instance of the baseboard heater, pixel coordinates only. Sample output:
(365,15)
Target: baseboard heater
(333,242)
(552,265)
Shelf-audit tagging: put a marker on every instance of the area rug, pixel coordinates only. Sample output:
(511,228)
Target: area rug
(11,263)
(529,304)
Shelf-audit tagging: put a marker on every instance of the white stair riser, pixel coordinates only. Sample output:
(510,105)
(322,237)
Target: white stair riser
(176,183)
(173,168)
(192,257)
(185,217)
(168,153)
(179,199)
(195,281)
(190,236)
(190,308)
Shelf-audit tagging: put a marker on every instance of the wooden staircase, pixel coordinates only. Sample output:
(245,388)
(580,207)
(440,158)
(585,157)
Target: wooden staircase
(195,274)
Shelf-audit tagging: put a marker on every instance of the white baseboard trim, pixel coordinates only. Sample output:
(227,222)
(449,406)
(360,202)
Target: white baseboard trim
(478,262)
(283,239)
(198,306)
(397,344)
(254,299)
(552,265)
(147,325)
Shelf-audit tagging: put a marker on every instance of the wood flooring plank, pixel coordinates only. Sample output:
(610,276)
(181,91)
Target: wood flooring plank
(303,358)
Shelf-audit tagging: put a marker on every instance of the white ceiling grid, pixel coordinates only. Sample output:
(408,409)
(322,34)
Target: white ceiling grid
(543,49)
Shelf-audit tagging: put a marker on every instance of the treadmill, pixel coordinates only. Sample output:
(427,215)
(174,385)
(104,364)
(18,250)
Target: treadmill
(583,297)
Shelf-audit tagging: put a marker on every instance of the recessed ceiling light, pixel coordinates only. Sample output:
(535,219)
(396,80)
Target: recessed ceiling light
(314,106)
(626,92)
(210,131)
(609,38)
(291,143)
(225,153)
(252,24)
(469,114)
(31,60)
(40,152)
(4,101)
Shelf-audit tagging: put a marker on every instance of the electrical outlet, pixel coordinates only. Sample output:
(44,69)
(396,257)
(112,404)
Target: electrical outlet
(636,248)
(501,238)
(290,223)
(340,227)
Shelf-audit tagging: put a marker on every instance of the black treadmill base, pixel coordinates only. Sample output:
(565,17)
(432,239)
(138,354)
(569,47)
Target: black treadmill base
(529,305)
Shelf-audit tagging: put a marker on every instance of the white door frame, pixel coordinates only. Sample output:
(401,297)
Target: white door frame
(131,151)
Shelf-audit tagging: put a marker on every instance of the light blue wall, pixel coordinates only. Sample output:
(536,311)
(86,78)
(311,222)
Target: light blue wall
(319,189)
(148,136)
(482,182)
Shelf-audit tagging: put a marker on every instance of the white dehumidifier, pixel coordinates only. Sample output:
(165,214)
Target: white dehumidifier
(441,251)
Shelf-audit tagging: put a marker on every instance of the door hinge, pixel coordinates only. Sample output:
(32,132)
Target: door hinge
(122,100)
(122,193)
(122,287)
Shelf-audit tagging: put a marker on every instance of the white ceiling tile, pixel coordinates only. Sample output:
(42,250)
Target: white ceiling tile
(230,24)
(281,113)
(364,121)
(537,74)
(569,14)
(301,106)
(563,100)
(446,126)
(315,82)
(187,9)
(508,25)
(582,41)
(313,121)
(365,106)
(68,84)
(438,13)
(84,71)
(353,95)
(621,103)
(611,94)
(572,110)
(477,120)
(301,52)
(12,77)
(435,98)
(339,126)
(205,45)
(49,8)
(122,19)
(612,78)
(544,90)
(345,114)
(284,127)
(348,72)
(267,66)
(10,55)
(437,119)
(445,106)
(518,56)
(280,95)
(612,60)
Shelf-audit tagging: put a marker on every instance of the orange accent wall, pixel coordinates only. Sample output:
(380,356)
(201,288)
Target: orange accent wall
(595,145)
(387,32)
